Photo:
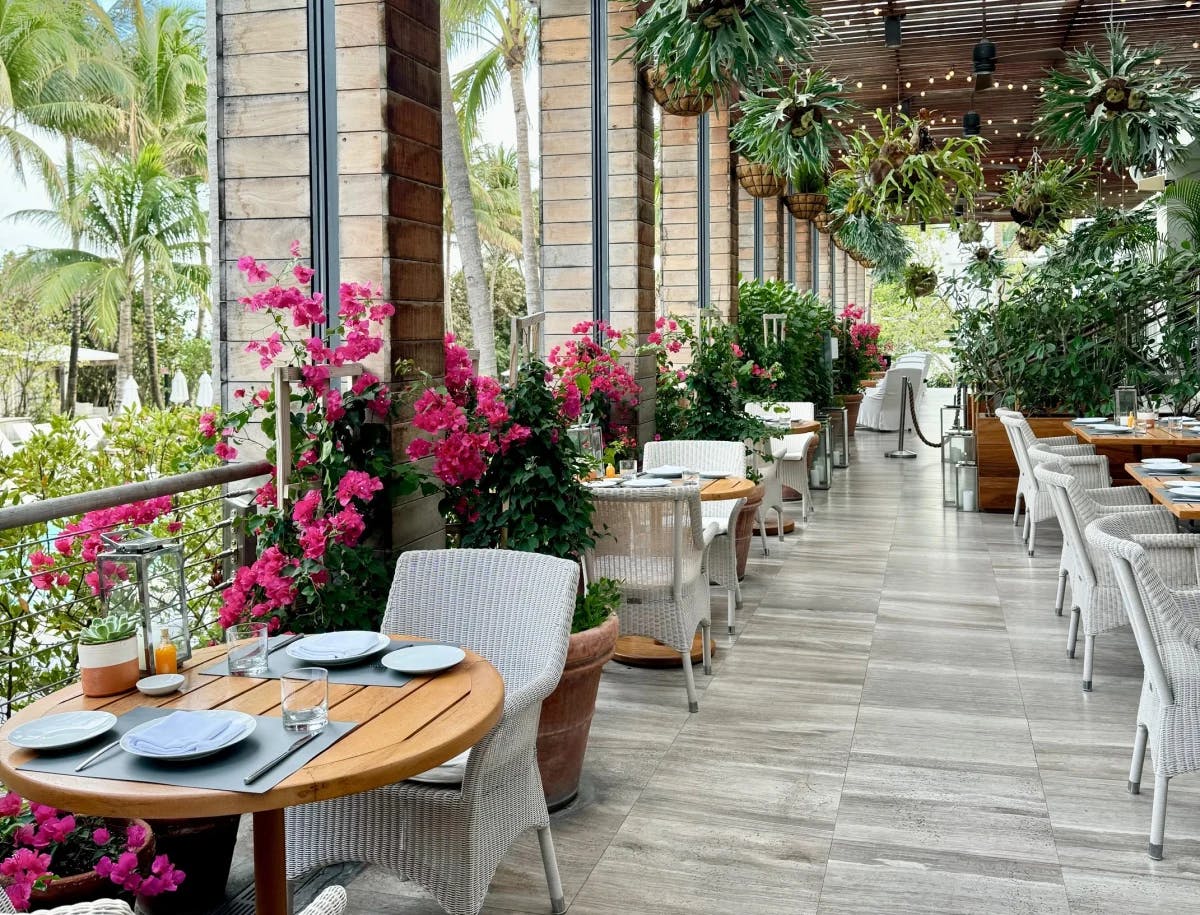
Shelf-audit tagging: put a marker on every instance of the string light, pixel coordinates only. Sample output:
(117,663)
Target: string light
(907,84)
(883,86)
(858,84)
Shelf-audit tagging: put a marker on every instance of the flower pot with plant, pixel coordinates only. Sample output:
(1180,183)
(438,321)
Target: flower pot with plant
(920,280)
(970,232)
(1043,195)
(109,654)
(807,199)
(567,712)
(858,356)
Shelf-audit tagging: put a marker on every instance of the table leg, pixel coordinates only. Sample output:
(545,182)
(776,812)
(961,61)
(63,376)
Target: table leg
(270,864)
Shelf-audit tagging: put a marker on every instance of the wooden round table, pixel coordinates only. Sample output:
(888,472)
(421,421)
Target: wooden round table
(643,651)
(799,427)
(402,731)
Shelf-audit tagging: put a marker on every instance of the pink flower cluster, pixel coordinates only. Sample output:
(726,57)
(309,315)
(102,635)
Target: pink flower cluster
(664,335)
(589,374)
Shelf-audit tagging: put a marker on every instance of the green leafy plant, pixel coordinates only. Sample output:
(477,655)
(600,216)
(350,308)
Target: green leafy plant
(800,355)
(1045,194)
(919,280)
(1181,202)
(881,243)
(858,349)
(901,173)
(595,604)
(112,628)
(985,266)
(791,125)
(711,46)
(1121,105)
(1111,236)
(970,232)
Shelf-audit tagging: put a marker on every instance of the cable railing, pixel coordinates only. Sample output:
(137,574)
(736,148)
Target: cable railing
(48,569)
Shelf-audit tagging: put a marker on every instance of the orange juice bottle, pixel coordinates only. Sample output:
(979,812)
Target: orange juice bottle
(166,657)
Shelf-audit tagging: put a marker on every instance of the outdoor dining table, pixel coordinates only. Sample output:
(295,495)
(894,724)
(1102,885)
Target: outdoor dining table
(1122,448)
(1156,485)
(402,731)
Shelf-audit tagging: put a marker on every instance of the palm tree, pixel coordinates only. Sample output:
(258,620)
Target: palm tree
(1181,202)
(506,31)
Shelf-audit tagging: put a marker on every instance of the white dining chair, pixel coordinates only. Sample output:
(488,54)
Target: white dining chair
(1021,438)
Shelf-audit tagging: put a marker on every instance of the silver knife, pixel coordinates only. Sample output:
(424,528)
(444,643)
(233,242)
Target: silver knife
(284,642)
(95,756)
(271,764)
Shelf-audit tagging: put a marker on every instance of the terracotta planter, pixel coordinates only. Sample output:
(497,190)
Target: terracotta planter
(683,104)
(111,668)
(852,402)
(744,532)
(90,886)
(567,712)
(758,180)
(806,206)
(203,850)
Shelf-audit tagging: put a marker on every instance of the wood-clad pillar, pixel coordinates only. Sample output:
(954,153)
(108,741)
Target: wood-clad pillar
(804,230)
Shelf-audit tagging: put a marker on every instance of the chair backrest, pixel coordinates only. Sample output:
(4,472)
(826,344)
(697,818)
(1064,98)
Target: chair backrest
(721,457)
(891,388)
(1167,639)
(1091,470)
(512,608)
(1074,511)
(797,443)
(1020,437)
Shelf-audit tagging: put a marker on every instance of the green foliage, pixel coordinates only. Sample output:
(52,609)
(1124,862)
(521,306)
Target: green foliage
(712,46)
(1122,106)
(596,604)
(791,126)
(905,325)
(1113,236)
(507,286)
(1044,194)
(803,370)
(1181,203)
(112,628)
(28,330)
(901,173)
(985,267)
(531,497)
(920,280)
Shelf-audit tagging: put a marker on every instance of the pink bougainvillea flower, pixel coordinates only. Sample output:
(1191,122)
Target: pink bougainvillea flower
(255,272)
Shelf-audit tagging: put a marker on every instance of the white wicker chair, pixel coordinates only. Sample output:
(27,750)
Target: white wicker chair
(1037,504)
(1166,624)
(99,907)
(793,468)
(515,610)
(652,542)
(720,457)
(331,901)
(772,488)
(1094,590)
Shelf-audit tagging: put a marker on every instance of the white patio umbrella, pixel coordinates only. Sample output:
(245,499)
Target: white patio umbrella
(130,398)
(179,388)
(204,390)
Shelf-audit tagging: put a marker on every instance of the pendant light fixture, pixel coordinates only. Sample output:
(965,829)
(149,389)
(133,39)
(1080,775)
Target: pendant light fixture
(891,31)
(983,57)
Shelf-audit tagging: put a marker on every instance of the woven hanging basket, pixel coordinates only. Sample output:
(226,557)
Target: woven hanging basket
(675,100)
(808,206)
(759,181)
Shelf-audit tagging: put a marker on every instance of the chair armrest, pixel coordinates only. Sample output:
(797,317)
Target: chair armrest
(709,533)
(1056,440)
(1120,495)
(1174,556)
(1075,451)
(1189,602)
(98,907)
(1149,521)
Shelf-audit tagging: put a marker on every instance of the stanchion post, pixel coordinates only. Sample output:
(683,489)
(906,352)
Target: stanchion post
(900,451)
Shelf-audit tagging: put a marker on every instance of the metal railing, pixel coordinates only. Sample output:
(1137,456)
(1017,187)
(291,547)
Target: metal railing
(39,625)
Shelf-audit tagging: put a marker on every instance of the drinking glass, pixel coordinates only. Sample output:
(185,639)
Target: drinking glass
(628,469)
(247,649)
(691,477)
(1146,420)
(304,697)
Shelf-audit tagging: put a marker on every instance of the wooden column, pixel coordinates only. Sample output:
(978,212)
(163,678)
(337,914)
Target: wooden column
(804,230)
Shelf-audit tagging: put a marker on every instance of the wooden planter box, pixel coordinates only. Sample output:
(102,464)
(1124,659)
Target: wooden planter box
(998,471)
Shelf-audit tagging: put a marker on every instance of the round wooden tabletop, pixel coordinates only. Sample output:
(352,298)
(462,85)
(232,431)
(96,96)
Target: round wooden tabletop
(728,488)
(800,426)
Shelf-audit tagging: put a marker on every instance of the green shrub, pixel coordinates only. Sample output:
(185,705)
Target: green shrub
(804,371)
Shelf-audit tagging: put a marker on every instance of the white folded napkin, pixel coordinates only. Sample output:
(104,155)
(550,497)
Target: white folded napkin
(333,645)
(185,732)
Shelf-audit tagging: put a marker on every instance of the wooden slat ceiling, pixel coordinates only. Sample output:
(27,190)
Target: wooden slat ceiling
(932,68)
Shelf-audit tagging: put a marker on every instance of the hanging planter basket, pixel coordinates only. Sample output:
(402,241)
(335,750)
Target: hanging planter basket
(676,99)
(1030,239)
(808,206)
(758,180)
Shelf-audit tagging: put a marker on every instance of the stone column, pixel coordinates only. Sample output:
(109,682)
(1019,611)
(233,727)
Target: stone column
(804,230)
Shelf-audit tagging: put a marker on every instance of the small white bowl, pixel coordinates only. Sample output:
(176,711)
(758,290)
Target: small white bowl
(160,684)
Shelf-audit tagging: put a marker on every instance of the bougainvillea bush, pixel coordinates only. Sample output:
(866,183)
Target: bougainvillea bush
(40,844)
(858,349)
(316,566)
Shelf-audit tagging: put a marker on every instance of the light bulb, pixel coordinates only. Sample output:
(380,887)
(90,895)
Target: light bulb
(907,84)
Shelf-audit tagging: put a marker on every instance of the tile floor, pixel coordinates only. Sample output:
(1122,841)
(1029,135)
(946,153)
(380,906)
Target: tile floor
(896,729)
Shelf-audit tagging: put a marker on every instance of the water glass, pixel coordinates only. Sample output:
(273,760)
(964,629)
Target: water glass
(691,477)
(247,649)
(627,468)
(1146,420)
(304,698)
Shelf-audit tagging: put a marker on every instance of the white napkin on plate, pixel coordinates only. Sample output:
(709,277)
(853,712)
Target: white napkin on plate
(185,732)
(334,645)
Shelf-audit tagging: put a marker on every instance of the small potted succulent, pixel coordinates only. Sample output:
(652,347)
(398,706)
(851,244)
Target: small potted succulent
(108,654)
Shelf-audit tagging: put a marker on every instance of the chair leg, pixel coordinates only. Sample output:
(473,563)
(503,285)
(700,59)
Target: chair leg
(1032,535)
(1089,648)
(689,680)
(1025,529)
(1073,632)
(779,515)
(1158,819)
(1062,592)
(1017,510)
(731,600)
(1139,759)
(761,521)
(706,645)
(558,900)
(807,491)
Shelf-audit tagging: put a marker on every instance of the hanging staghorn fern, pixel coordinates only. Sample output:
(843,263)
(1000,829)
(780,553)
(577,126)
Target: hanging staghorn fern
(709,47)
(1120,106)
(883,244)
(1043,195)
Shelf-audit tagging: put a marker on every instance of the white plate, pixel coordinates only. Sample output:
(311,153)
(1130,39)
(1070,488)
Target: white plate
(160,684)
(1163,462)
(65,729)
(247,723)
(712,475)
(1112,429)
(1090,420)
(666,472)
(1191,492)
(646,482)
(299,650)
(1176,484)
(423,659)
(603,484)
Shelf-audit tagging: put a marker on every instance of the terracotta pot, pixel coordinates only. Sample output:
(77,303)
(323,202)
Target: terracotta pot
(852,402)
(758,180)
(203,850)
(111,668)
(676,101)
(744,532)
(567,712)
(90,886)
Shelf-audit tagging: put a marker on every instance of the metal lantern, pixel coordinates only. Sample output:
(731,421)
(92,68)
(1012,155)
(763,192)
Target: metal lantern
(957,445)
(839,431)
(589,439)
(1125,401)
(820,471)
(142,574)
(967,486)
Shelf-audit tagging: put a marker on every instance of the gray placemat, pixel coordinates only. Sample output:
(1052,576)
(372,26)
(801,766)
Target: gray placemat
(223,771)
(369,673)
(1181,500)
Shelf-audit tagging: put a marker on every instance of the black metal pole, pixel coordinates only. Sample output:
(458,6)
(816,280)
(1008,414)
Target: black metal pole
(703,210)
(901,451)
(601,298)
(322,153)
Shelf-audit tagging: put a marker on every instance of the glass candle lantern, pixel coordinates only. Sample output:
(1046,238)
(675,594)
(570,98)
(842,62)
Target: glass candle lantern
(839,437)
(589,439)
(820,471)
(957,445)
(142,574)
(967,486)
(1125,401)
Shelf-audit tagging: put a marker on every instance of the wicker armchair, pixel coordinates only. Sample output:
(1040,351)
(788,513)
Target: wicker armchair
(652,542)
(1095,592)
(1037,503)
(99,907)
(772,488)
(719,457)
(1166,624)
(793,468)
(515,610)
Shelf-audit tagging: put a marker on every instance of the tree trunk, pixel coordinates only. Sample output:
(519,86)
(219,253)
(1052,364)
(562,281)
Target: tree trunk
(76,306)
(124,344)
(151,333)
(462,205)
(448,304)
(531,260)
